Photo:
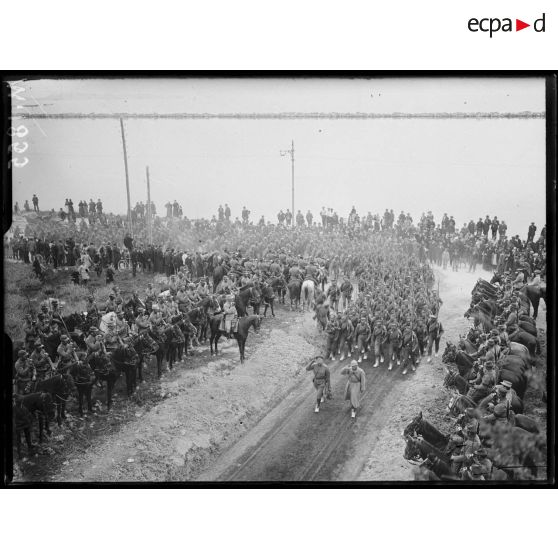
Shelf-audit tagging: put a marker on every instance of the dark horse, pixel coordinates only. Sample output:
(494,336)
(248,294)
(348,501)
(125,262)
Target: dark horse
(249,295)
(145,346)
(279,286)
(105,372)
(59,387)
(268,296)
(418,448)
(23,423)
(244,325)
(294,286)
(84,378)
(421,427)
(34,404)
(125,359)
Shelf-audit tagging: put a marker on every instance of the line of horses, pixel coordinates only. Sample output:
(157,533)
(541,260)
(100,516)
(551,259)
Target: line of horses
(516,364)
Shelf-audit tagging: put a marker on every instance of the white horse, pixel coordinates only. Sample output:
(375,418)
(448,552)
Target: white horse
(307,293)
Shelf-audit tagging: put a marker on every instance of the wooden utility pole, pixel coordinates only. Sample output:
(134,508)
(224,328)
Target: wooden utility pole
(149,225)
(127,179)
(291,152)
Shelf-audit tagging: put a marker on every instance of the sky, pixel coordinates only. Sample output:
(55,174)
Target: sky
(466,168)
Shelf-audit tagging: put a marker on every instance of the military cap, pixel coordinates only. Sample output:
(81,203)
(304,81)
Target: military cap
(506,383)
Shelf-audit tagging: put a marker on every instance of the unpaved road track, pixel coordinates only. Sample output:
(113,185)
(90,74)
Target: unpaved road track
(293,443)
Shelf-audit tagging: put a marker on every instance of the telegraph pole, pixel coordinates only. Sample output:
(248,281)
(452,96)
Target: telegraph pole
(127,179)
(149,224)
(291,152)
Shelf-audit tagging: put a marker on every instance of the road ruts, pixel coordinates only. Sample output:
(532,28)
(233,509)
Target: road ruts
(301,445)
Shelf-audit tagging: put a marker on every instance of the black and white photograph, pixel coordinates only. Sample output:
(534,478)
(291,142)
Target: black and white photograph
(277,279)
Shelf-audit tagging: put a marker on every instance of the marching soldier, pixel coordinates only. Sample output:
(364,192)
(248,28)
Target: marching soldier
(346,292)
(435,331)
(356,385)
(379,335)
(362,336)
(333,293)
(321,380)
(332,332)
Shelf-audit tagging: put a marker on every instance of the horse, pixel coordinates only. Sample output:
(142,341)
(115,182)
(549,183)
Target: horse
(531,342)
(294,286)
(534,293)
(458,404)
(482,316)
(160,336)
(421,427)
(218,273)
(249,295)
(417,448)
(514,368)
(175,341)
(104,372)
(463,360)
(125,359)
(454,379)
(200,314)
(437,469)
(40,405)
(279,286)
(466,345)
(189,331)
(307,293)
(73,322)
(59,386)
(268,297)
(23,420)
(51,343)
(145,346)
(244,325)
(84,378)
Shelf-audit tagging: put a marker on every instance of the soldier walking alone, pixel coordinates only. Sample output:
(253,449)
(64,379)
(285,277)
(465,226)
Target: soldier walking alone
(320,380)
(356,385)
